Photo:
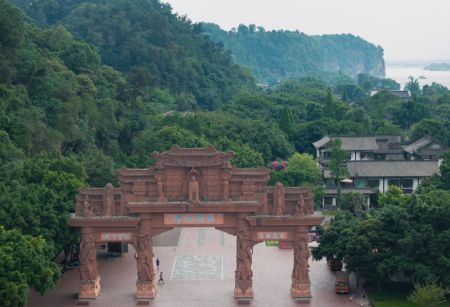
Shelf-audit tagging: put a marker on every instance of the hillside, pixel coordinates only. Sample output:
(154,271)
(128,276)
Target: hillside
(277,55)
(146,39)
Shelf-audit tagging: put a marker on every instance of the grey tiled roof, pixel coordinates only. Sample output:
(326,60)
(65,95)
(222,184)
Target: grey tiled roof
(415,168)
(350,142)
(420,143)
(333,191)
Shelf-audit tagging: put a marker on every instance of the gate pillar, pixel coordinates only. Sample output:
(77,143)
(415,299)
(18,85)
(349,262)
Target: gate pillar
(301,285)
(244,251)
(89,278)
(145,283)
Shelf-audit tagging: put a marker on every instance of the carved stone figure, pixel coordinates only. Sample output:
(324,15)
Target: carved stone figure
(87,211)
(309,204)
(300,274)
(300,206)
(244,274)
(88,260)
(145,259)
(194,193)
(159,189)
(265,204)
(278,198)
(108,199)
(226,190)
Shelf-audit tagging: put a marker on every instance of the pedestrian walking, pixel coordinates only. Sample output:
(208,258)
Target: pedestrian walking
(161,279)
(157,263)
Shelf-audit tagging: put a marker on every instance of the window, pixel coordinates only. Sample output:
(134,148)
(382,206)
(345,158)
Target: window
(329,183)
(328,201)
(380,157)
(366,156)
(373,183)
(360,182)
(394,181)
(407,185)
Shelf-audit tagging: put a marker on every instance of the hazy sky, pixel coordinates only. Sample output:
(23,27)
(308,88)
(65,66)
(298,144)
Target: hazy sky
(406,29)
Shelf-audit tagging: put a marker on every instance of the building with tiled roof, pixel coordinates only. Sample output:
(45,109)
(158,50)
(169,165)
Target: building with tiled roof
(376,162)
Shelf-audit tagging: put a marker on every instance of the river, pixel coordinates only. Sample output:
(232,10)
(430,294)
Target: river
(401,74)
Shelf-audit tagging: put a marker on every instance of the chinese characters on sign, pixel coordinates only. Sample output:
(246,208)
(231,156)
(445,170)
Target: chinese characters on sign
(193,218)
(115,236)
(271,235)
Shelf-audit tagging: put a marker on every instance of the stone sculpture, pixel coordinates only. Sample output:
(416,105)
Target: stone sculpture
(226,190)
(300,206)
(244,274)
(194,195)
(108,199)
(300,273)
(145,259)
(278,198)
(87,211)
(159,188)
(88,261)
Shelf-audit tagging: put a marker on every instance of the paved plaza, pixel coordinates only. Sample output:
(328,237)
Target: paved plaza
(198,267)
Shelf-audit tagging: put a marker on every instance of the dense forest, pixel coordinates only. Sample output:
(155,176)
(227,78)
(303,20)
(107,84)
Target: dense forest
(86,91)
(276,55)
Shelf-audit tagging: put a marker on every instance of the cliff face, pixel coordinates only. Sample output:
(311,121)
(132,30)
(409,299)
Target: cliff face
(277,55)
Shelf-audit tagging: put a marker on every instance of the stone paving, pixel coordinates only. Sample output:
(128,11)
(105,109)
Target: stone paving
(201,262)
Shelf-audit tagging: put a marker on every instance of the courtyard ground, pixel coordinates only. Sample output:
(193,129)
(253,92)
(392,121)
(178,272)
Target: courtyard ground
(198,266)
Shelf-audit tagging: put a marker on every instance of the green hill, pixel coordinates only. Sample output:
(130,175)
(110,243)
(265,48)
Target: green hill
(145,37)
(276,55)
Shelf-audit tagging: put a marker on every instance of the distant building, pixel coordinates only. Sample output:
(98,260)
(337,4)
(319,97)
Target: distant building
(375,162)
(406,95)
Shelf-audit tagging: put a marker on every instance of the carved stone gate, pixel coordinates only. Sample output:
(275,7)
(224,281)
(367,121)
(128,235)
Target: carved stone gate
(194,187)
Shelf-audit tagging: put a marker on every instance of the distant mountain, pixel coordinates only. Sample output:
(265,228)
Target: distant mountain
(146,38)
(438,66)
(276,55)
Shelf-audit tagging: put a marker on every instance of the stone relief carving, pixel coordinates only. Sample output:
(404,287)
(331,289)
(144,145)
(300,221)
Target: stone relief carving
(194,192)
(108,199)
(226,190)
(87,208)
(300,273)
(144,251)
(300,205)
(309,204)
(244,274)
(278,198)
(88,260)
(159,189)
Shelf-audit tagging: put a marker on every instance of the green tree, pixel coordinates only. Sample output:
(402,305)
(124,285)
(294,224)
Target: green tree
(338,167)
(427,294)
(413,86)
(445,170)
(24,264)
(353,202)
(302,169)
(287,121)
(430,127)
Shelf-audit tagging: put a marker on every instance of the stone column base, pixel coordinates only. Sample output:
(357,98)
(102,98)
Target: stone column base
(89,289)
(301,291)
(145,289)
(239,294)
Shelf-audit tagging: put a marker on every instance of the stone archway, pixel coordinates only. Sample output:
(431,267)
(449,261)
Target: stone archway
(157,199)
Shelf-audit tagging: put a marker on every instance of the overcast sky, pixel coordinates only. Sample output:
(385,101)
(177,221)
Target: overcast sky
(406,29)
